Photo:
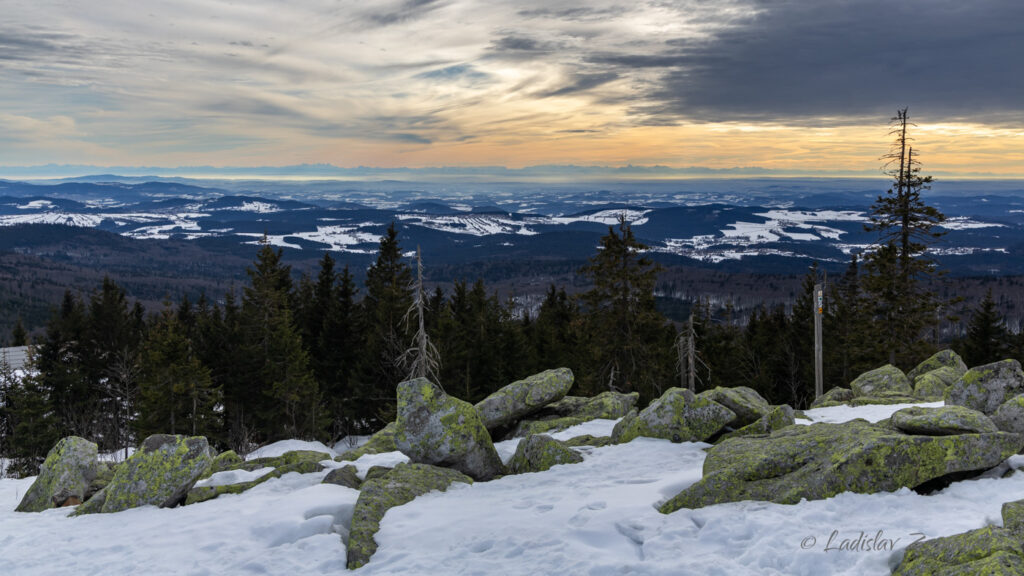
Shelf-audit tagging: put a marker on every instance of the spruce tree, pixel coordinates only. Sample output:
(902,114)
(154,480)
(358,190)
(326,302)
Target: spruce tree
(987,337)
(19,336)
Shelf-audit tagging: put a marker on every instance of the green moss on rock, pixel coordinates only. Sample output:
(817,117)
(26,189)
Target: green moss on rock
(884,381)
(160,473)
(778,418)
(300,461)
(587,440)
(988,551)
(985,388)
(399,486)
(941,359)
(680,416)
(932,385)
(834,397)
(823,459)
(748,405)
(1009,417)
(539,453)
(524,397)
(70,467)
(1013,517)
(344,476)
(435,428)
(381,442)
(941,421)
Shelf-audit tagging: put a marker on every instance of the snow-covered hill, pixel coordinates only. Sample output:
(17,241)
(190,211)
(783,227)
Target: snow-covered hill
(597,517)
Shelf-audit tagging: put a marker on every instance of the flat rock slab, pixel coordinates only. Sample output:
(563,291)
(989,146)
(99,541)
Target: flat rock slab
(745,402)
(524,397)
(399,486)
(941,421)
(821,460)
(988,551)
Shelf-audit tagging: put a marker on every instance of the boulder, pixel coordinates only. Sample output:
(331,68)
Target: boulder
(64,477)
(524,397)
(941,421)
(1013,517)
(834,397)
(609,405)
(531,427)
(748,405)
(985,388)
(160,474)
(778,418)
(821,460)
(680,416)
(299,461)
(933,384)
(941,359)
(344,476)
(1009,417)
(587,440)
(376,472)
(103,477)
(884,381)
(381,442)
(399,486)
(435,428)
(988,551)
(884,399)
(622,425)
(224,461)
(539,453)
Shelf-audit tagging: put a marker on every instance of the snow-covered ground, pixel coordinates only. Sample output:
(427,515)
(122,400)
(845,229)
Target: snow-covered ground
(593,518)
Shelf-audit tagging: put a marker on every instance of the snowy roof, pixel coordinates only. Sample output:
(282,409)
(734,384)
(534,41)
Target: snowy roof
(16,357)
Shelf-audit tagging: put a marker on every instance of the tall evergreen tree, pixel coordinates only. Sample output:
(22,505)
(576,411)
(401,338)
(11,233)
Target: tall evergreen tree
(987,338)
(898,272)
(19,336)
(630,342)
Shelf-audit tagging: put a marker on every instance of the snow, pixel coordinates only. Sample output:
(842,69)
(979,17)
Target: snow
(597,517)
(473,224)
(870,412)
(279,448)
(229,477)
(965,223)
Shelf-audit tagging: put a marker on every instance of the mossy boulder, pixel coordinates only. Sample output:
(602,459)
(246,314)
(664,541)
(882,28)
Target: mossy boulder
(988,551)
(745,402)
(435,428)
(587,440)
(834,397)
(160,474)
(399,486)
(883,399)
(376,472)
(941,421)
(1013,517)
(622,425)
(344,476)
(680,416)
(103,477)
(64,477)
(381,442)
(884,381)
(933,384)
(821,460)
(539,452)
(1009,417)
(941,359)
(531,427)
(524,397)
(985,388)
(300,461)
(776,419)
(224,461)
(608,404)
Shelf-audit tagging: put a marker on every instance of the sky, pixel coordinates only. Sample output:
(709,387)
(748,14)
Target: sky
(783,85)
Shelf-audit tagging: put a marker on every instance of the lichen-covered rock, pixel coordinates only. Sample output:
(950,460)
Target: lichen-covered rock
(622,425)
(941,359)
(778,418)
(1009,417)
(530,427)
(435,428)
(587,440)
(745,402)
(1013,517)
(539,453)
(103,477)
(821,460)
(933,384)
(884,381)
(524,397)
(381,442)
(160,473)
(224,461)
(834,397)
(376,472)
(399,486)
(608,404)
(344,476)
(64,477)
(988,551)
(941,421)
(300,461)
(885,399)
(985,388)
(680,416)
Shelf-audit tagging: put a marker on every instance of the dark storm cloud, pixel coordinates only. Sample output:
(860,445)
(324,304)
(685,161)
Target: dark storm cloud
(840,59)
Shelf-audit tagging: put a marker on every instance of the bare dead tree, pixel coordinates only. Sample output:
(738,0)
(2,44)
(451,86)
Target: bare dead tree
(688,359)
(421,359)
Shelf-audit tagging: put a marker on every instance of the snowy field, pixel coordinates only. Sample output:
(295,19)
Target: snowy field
(593,518)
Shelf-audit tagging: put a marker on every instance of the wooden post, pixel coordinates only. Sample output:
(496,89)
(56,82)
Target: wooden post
(819,310)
